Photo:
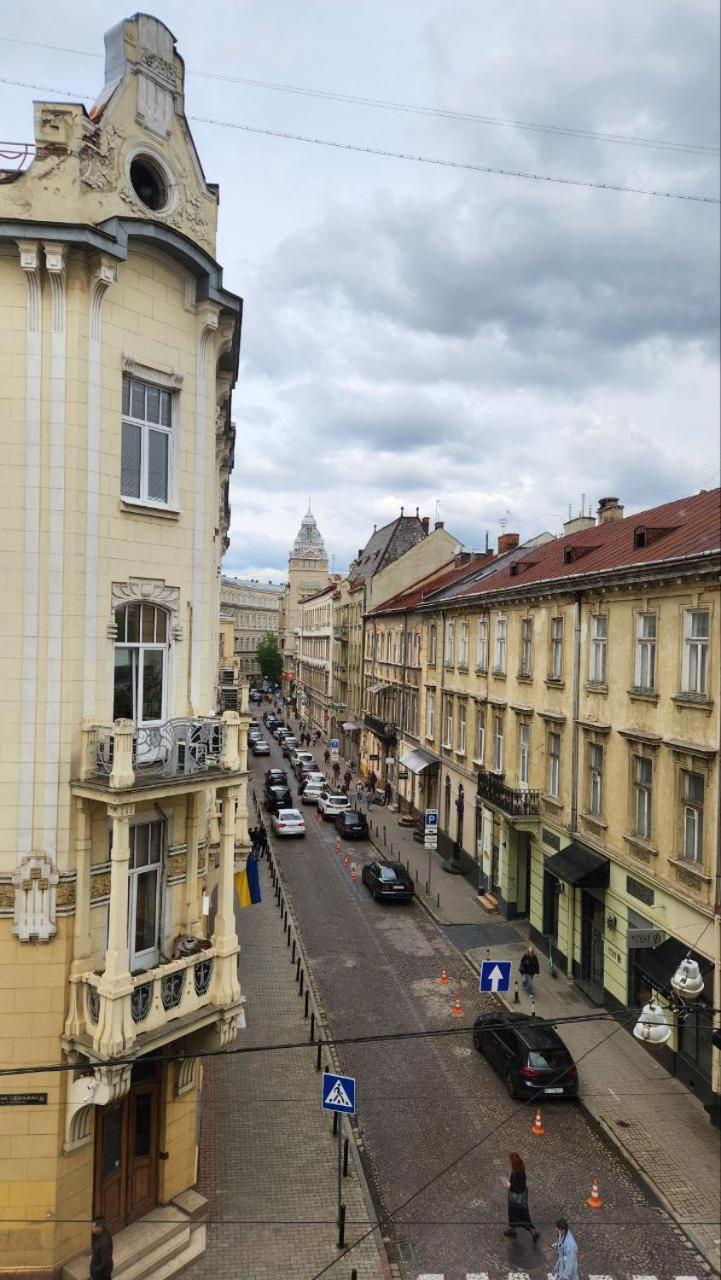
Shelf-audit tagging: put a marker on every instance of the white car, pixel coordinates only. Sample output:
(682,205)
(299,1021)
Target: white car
(288,822)
(301,757)
(331,803)
(311,792)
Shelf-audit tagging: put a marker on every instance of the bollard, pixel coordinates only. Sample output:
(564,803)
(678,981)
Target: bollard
(297,969)
(341,1228)
(312,1027)
(391,848)
(354,1274)
(438,901)
(285,920)
(302,982)
(305,1012)
(317,1056)
(408,865)
(287,940)
(516,998)
(384,837)
(346,1148)
(335,1124)
(426,888)
(292,958)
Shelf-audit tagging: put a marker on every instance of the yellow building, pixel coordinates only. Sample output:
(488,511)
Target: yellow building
(571,709)
(117,933)
(314,657)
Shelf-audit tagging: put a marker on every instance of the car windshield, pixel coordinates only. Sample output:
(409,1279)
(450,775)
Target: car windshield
(290,815)
(337,799)
(387,874)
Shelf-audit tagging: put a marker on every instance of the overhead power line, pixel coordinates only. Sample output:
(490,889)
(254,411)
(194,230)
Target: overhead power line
(438,161)
(385,104)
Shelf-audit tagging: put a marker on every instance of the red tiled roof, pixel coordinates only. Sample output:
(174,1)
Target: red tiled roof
(677,530)
(434,582)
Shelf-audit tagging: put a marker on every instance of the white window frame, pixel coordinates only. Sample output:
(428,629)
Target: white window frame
(145,426)
(693,808)
(482,643)
(644,673)
(595,779)
(556,667)
(526,664)
(642,797)
(498,727)
(480,739)
(139,648)
(448,743)
(432,645)
(461,750)
(695,653)
(148,957)
(500,645)
(598,636)
(524,754)
(463,645)
(431,713)
(449,655)
(554,764)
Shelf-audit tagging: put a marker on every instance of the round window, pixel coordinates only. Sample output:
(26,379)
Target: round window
(149,183)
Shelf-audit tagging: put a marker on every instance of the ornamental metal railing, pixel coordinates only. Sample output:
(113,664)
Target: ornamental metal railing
(178,747)
(517,802)
(384,729)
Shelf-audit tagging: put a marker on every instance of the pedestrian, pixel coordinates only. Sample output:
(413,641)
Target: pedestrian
(358,793)
(372,780)
(347,776)
(566,1265)
(388,792)
(530,969)
(369,799)
(262,840)
(253,838)
(336,771)
(326,755)
(518,1214)
(101,1252)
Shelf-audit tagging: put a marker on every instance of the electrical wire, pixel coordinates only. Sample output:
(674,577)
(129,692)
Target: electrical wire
(411,157)
(445,113)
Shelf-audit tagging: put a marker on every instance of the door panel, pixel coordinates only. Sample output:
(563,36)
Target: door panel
(126,1153)
(142,1150)
(110,1141)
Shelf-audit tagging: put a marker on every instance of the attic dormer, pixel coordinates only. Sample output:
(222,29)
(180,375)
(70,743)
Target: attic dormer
(644,534)
(572,552)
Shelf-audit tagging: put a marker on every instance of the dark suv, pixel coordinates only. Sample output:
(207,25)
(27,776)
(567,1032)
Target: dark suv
(532,1059)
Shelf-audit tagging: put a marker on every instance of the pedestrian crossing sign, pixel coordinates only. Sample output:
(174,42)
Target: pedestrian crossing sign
(338,1093)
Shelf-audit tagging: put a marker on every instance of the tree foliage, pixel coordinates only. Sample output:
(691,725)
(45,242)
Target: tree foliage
(269,658)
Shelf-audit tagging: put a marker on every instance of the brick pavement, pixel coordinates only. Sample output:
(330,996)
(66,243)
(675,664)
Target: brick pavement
(267,1156)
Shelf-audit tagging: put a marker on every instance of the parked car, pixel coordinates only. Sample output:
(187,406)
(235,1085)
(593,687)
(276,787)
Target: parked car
(255,696)
(388,880)
(289,745)
(288,822)
(300,758)
(275,778)
(351,825)
(313,775)
(332,802)
(277,798)
(260,747)
(280,732)
(533,1061)
(311,792)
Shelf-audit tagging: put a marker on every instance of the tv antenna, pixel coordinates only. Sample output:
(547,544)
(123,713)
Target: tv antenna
(504,520)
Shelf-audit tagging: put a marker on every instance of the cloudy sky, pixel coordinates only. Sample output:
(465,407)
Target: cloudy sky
(417,334)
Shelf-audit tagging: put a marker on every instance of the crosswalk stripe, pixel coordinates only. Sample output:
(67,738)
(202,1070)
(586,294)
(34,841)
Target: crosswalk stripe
(523,1275)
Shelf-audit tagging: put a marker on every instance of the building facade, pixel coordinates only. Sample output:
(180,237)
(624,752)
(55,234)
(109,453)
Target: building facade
(314,656)
(116,863)
(254,608)
(307,573)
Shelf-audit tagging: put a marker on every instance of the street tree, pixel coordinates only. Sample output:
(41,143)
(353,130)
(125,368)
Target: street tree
(269,658)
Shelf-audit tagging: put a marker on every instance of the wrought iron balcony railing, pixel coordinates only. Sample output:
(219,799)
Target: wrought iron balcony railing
(123,754)
(382,728)
(517,802)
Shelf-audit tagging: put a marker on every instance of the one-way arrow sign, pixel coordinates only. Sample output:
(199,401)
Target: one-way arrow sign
(495,975)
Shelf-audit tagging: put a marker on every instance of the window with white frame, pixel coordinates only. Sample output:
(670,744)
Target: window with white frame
(695,651)
(524,753)
(526,646)
(432,645)
(693,798)
(498,744)
(595,780)
(463,646)
(554,764)
(642,796)
(448,740)
(461,728)
(499,646)
(480,743)
(431,714)
(140,663)
(644,674)
(450,643)
(556,671)
(146,459)
(598,624)
(144,877)
(482,643)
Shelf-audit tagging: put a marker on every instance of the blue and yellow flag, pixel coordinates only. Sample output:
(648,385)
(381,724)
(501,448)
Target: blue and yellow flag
(252,872)
(242,888)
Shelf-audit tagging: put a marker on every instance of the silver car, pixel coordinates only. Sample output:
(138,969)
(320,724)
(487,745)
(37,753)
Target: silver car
(288,822)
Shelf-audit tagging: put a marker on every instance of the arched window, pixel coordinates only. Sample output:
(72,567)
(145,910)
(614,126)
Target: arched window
(141,663)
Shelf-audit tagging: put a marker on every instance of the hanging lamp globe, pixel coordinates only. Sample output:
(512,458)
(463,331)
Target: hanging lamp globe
(687,981)
(652,1027)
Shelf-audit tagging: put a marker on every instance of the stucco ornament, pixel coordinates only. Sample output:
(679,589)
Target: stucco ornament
(36,884)
(155,591)
(99,160)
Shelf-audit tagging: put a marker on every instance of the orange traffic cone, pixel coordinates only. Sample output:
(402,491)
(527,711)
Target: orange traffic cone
(346,859)
(594,1201)
(444,976)
(537,1126)
(353,874)
(457,1010)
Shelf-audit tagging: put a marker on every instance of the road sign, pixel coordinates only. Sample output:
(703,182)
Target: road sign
(495,975)
(430,840)
(333,744)
(339,1093)
(431,819)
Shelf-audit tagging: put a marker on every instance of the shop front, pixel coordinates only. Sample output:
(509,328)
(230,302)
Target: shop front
(581,877)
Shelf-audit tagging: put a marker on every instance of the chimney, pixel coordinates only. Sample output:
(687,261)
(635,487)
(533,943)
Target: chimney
(507,542)
(426,522)
(609,509)
(438,525)
(577,523)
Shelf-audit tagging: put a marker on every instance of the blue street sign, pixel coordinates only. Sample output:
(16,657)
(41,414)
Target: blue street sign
(333,745)
(495,975)
(431,818)
(338,1093)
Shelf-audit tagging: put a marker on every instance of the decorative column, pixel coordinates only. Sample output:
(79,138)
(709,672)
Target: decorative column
(193,921)
(231,747)
(115,1030)
(122,774)
(225,939)
(75,1024)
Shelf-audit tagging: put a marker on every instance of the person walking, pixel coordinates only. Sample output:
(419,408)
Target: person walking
(530,969)
(372,780)
(369,798)
(336,771)
(101,1251)
(262,841)
(358,793)
(326,755)
(566,1265)
(253,838)
(347,777)
(518,1213)
(388,791)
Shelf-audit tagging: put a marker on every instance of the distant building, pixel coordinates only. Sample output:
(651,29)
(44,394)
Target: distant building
(307,573)
(254,608)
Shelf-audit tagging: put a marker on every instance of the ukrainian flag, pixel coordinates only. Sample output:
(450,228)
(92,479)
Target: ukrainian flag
(242,888)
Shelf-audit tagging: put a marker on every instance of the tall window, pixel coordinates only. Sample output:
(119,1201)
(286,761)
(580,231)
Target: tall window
(432,645)
(141,652)
(462,728)
(526,646)
(554,764)
(450,643)
(643,783)
(693,795)
(482,643)
(448,741)
(695,651)
(595,781)
(146,453)
(644,676)
(146,853)
(499,646)
(597,649)
(430,714)
(463,646)
(556,671)
(498,744)
(524,753)
(480,743)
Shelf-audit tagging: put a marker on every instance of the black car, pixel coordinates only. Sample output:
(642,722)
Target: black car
(388,880)
(275,778)
(277,798)
(533,1060)
(351,825)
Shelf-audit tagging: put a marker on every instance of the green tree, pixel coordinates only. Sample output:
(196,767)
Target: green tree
(269,657)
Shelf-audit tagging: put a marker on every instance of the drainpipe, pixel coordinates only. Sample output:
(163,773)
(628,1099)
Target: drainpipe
(574,769)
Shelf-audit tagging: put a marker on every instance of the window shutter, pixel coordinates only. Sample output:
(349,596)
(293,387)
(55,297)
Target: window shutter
(158,466)
(130,461)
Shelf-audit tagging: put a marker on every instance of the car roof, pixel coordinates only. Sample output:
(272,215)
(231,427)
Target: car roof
(284,812)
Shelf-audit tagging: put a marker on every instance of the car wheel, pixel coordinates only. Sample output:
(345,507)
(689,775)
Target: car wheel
(510,1085)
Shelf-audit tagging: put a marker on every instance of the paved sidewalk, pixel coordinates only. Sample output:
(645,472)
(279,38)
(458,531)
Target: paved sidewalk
(267,1156)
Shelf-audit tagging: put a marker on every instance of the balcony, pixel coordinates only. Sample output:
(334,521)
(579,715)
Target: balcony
(383,729)
(123,756)
(340,633)
(514,801)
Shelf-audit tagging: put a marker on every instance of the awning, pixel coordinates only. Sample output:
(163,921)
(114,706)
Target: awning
(417,760)
(580,866)
(350,727)
(376,688)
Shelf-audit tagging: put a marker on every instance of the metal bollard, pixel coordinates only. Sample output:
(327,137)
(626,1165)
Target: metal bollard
(438,901)
(312,1027)
(292,958)
(302,982)
(354,1274)
(384,837)
(305,1012)
(317,1056)
(335,1124)
(346,1147)
(297,969)
(516,999)
(341,1228)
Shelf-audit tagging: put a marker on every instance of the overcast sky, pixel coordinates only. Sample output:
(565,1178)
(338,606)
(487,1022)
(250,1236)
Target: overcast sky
(413,333)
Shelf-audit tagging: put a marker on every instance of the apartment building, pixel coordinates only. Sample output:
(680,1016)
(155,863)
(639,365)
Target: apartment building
(314,657)
(254,608)
(123,793)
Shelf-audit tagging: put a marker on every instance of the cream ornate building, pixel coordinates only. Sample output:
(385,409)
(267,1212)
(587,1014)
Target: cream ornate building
(254,608)
(314,656)
(307,573)
(118,933)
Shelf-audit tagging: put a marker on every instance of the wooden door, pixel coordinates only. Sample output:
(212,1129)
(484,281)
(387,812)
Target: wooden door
(110,1179)
(126,1152)
(142,1149)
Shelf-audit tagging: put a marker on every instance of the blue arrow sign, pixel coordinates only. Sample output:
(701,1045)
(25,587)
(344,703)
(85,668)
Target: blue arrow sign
(338,1093)
(495,975)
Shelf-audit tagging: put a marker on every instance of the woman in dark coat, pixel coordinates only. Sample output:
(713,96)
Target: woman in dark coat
(518,1213)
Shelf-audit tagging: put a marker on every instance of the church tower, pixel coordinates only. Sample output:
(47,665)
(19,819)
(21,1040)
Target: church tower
(307,573)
